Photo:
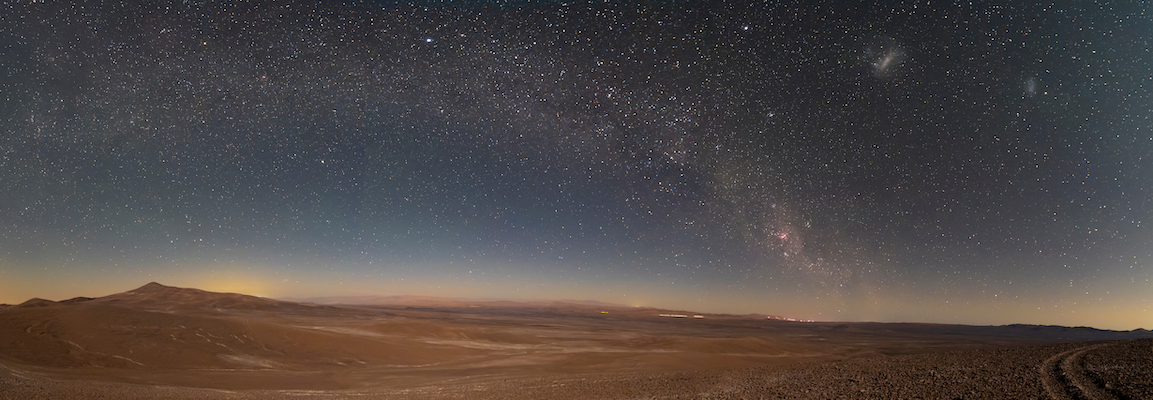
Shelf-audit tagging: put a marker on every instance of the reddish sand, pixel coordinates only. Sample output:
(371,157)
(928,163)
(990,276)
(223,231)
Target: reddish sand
(159,341)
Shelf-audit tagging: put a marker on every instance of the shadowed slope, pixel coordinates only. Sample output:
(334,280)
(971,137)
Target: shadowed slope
(157,297)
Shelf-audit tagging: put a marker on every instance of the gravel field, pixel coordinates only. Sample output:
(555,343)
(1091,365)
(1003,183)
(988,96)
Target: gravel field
(1087,370)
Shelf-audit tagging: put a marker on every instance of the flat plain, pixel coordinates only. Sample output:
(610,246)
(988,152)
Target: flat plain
(165,342)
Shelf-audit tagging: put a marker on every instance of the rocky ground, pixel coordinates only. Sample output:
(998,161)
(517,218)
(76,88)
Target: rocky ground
(1086,370)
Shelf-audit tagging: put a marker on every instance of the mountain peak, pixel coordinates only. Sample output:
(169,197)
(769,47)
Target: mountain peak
(153,287)
(36,302)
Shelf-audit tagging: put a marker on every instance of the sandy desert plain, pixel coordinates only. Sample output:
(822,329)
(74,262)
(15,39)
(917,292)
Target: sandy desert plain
(166,342)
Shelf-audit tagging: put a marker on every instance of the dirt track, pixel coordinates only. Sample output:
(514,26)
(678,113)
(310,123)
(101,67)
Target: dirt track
(1064,378)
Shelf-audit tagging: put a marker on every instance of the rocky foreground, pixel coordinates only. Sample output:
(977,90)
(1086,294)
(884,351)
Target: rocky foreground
(1087,370)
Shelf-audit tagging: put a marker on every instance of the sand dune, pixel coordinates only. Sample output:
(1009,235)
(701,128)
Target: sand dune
(173,342)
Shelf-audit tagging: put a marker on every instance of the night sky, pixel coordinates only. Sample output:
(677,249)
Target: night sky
(985,163)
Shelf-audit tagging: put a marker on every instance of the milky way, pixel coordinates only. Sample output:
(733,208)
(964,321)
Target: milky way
(895,161)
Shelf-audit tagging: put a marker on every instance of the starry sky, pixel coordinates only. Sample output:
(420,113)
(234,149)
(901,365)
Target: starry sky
(979,163)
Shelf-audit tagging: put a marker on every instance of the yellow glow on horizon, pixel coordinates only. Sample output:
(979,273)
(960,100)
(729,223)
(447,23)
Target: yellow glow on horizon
(1103,305)
(247,279)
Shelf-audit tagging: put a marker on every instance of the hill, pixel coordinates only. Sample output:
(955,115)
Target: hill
(184,337)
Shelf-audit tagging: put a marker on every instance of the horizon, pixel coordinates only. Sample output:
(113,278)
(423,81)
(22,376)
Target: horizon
(981,164)
(312,299)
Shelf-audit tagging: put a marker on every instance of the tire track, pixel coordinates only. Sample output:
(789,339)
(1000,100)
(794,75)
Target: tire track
(1064,377)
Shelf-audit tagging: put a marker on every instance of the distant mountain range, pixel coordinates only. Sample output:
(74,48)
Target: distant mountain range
(157,297)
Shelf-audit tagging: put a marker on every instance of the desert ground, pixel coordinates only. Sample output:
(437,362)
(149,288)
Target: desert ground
(165,342)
